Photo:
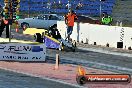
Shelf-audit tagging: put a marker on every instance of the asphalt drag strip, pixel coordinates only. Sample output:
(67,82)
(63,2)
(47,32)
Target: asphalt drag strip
(114,63)
(10,79)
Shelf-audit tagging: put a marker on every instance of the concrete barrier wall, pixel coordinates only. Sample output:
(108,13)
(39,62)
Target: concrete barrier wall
(127,37)
(101,34)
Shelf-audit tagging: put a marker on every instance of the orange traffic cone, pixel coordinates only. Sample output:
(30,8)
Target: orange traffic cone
(81,71)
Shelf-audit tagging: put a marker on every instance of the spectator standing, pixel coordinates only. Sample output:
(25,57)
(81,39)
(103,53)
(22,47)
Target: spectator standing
(69,20)
(2,25)
(68,5)
(79,5)
(48,6)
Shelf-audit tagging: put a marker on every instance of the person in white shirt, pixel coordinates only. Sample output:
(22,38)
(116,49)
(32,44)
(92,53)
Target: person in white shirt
(68,6)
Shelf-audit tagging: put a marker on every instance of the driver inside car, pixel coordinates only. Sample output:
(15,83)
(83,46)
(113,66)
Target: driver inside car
(53,31)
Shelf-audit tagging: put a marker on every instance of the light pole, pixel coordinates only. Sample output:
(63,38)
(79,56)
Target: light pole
(68,5)
(28,8)
(100,8)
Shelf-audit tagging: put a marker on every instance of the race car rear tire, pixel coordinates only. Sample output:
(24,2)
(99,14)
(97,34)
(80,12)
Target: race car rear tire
(37,37)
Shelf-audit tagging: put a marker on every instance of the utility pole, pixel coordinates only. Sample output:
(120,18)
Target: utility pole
(101,7)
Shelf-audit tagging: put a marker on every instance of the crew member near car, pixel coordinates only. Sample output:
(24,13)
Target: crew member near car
(2,25)
(69,20)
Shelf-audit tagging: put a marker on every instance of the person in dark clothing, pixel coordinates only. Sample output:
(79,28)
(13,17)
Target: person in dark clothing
(53,31)
(2,25)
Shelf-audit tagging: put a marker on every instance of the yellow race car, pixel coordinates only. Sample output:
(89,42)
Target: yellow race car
(50,37)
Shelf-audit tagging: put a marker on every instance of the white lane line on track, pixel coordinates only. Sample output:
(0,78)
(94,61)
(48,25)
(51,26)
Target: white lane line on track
(98,64)
(112,66)
(46,78)
(106,52)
